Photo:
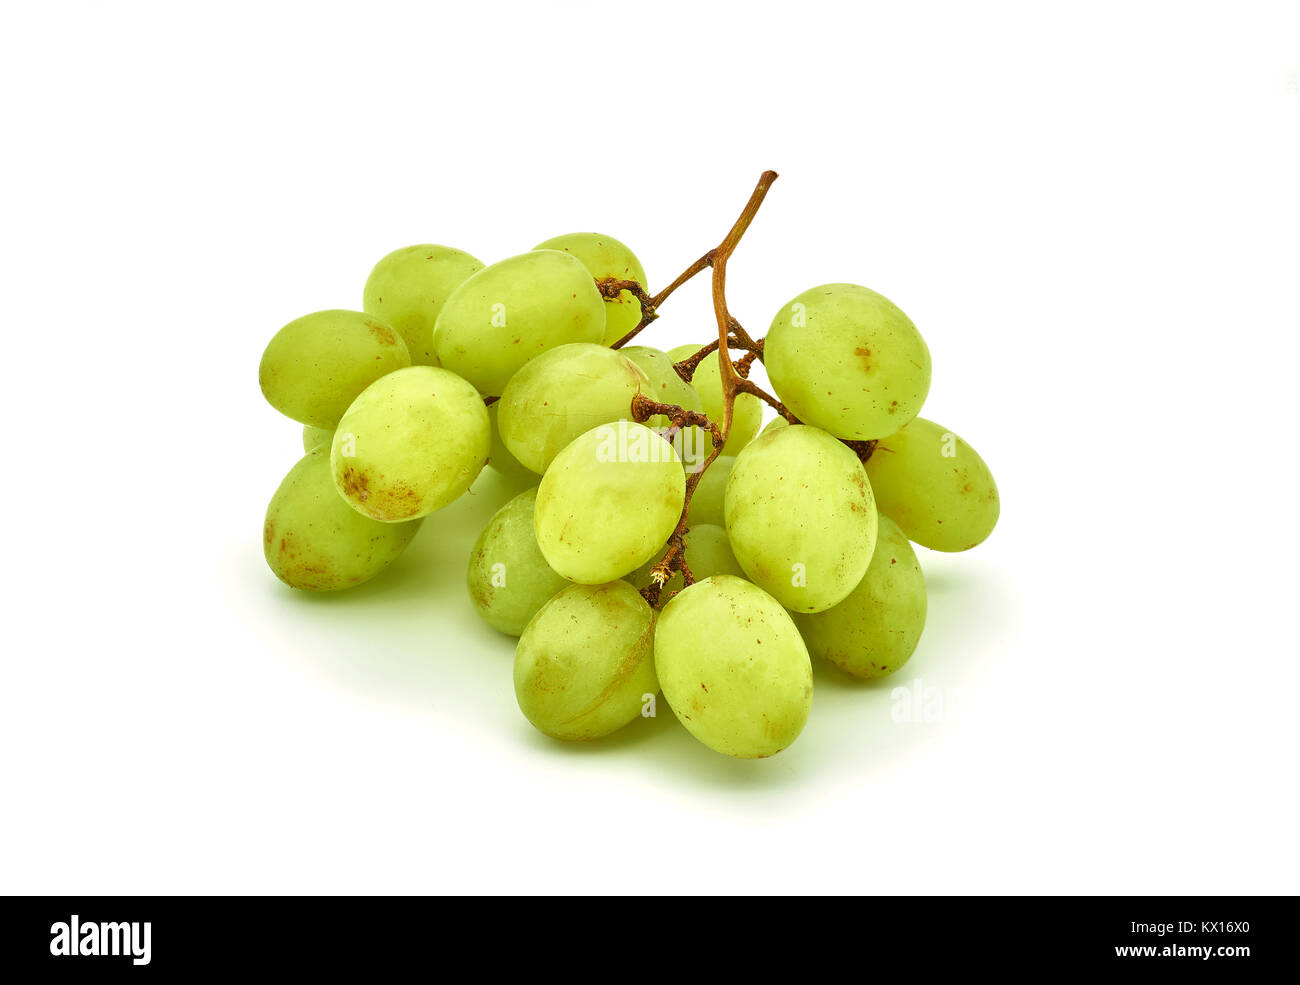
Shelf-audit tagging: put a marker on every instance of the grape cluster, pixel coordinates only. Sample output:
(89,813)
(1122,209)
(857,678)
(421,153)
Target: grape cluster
(663,544)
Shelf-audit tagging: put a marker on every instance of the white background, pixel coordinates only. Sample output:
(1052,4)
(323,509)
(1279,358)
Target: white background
(1093,216)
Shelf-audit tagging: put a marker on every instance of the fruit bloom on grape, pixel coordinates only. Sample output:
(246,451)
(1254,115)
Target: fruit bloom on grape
(316,365)
(585,663)
(608,502)
(408,288)
(733,667)
(874,631)
(847,360)
(410,444)
(314,540)
(564,393)
(801,517)
(935,487)
(508,578)
(507,313)
(606,257)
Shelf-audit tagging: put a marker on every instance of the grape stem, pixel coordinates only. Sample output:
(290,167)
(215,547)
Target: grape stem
(733,375)
(716,258)
(730,333)
(611,286)
(674,558)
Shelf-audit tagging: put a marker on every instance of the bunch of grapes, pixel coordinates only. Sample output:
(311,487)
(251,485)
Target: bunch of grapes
(663,545)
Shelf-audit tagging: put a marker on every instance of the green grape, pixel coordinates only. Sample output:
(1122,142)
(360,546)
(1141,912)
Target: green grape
(608,501)
(873,631)
(316,365)
(801,517)
(315,541)
(508,578)
(733,667)
(605,257)
(746,413)
(706,501)
(708,552)
(410,444)
(312,437)
(934,486)
(585,664)
(499,458)
(845,359)
(408,288)
(774,423)
(564,393)
(514,310)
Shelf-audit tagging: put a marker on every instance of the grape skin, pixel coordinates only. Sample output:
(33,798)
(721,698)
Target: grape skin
(606,257)
(801,517)
(507,549)
(946,502)
(585,527)
(408,287)
(746,413)
(499,458)
(312,437)
(874,631)
(706,502)
(411,443)
(847,360)
(733,667)
(314,541)
(708,552)
(585,662)
(564,393)
(315,366)
(514,310)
